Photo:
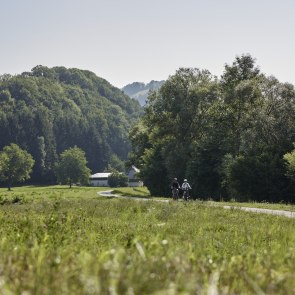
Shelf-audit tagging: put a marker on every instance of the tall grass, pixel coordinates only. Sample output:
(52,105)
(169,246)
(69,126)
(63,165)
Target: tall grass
(71,241)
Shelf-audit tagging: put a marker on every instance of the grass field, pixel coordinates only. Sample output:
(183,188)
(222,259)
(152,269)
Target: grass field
(56,240)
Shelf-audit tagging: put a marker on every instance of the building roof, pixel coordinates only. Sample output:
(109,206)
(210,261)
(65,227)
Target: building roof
(100,175)
(135,169)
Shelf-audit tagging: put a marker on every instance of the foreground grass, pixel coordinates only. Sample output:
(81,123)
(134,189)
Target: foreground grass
(55,240)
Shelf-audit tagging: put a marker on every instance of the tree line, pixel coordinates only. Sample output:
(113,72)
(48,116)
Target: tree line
(232,136)
(16,166)
(49,110)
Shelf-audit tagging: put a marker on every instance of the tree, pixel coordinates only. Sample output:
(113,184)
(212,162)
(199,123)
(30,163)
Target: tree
(15,164)
(72,167)
(290,164)
(117,179)
(174,121)
(227,136)
(260,176)
(240,86)
(5,96)
(49,110)
(242,69)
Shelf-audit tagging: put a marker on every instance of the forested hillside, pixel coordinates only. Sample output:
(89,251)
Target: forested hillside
(48,110)
(228,136)
(140,91)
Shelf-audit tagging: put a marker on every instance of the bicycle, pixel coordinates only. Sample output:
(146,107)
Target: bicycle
(175,193)
(186,195)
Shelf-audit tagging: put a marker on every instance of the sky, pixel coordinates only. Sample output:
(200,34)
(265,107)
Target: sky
(124,41)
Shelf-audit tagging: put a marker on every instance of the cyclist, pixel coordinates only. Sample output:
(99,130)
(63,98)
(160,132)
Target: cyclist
(185,188)
(175,188)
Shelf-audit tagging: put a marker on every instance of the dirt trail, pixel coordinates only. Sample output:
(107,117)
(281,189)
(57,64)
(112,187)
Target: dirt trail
(288,214)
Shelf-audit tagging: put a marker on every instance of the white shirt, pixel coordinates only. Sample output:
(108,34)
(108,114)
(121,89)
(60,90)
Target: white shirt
(185,186)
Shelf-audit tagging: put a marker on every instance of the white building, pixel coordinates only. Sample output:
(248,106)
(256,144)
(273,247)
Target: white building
(133,179)
(99,179)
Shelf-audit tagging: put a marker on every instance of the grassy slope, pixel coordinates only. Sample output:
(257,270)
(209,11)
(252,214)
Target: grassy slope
(138,192)
(55,240)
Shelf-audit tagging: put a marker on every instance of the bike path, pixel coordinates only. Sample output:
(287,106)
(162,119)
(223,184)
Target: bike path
(288,214)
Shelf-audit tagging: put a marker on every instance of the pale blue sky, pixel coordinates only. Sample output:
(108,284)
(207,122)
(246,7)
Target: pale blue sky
(127,40)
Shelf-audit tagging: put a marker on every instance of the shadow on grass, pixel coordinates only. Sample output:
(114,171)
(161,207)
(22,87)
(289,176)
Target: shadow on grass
(132,195)
(140,191)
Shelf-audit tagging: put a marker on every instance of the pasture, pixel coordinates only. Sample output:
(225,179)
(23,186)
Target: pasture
(56,240)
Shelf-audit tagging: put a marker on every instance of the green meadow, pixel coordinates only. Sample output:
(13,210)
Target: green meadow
(56,240)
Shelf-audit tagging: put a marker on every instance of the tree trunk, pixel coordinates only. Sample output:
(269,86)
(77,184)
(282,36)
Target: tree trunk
(9,185)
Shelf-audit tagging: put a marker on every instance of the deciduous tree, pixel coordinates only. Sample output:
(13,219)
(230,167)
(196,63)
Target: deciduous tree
(72,167)
(15,165)
(118,179)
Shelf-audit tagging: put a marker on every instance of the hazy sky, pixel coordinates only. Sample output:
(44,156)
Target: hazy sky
(133,40)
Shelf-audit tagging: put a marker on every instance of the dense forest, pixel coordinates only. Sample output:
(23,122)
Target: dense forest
(227,135)
(48,110)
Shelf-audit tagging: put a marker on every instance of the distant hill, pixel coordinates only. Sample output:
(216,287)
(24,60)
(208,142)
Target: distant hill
(48,110)
(139,90)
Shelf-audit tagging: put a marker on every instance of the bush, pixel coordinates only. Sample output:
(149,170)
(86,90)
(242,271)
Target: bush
(259,177)
(118,179)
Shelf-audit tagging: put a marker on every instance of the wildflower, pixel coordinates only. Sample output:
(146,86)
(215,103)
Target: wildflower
(164,242)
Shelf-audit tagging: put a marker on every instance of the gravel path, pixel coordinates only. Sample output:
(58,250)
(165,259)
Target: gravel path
(288,214)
